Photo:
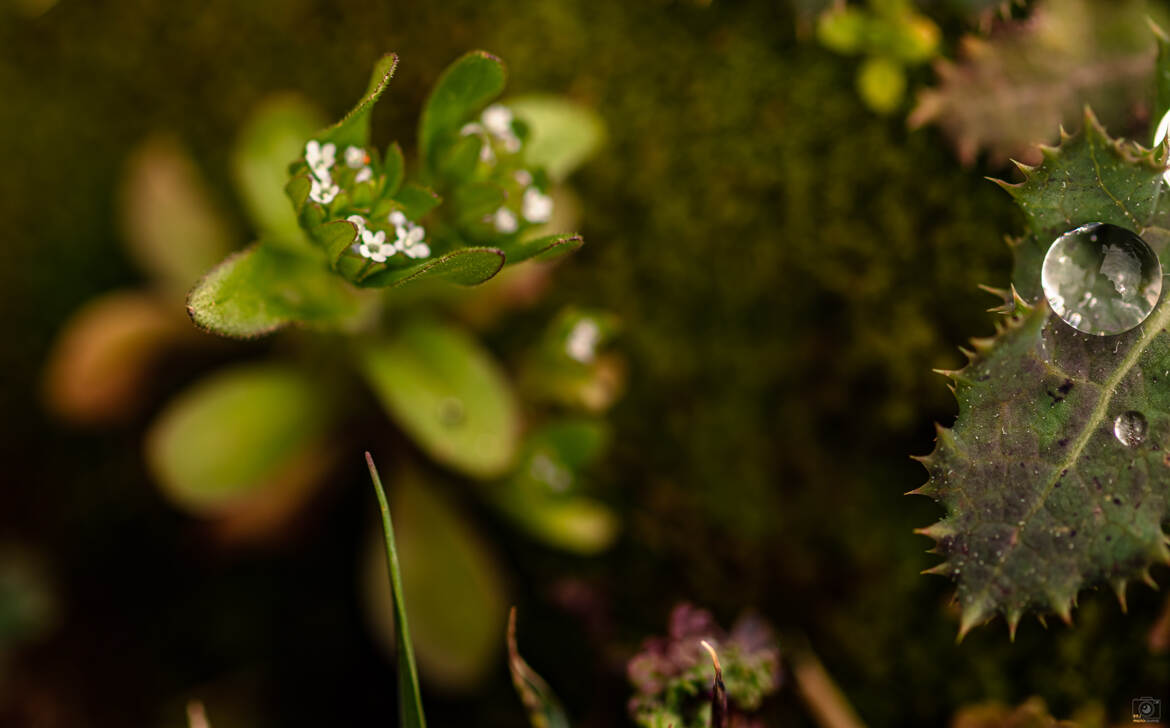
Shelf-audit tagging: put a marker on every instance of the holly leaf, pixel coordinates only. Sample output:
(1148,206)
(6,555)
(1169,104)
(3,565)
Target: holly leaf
(1009,91)
(1042,498)
(264,288)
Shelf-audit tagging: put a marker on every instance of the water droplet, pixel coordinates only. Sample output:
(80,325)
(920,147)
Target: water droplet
(451,412)
(1101,279)
(1130,428)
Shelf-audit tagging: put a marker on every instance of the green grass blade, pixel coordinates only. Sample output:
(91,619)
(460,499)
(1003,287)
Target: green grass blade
(410,708)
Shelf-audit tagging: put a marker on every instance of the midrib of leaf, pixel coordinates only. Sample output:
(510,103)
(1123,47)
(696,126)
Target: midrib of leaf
(1109,388)
(1109,193)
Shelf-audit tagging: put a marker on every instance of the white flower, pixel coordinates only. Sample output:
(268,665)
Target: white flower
(471,128)
(537,206)
(320,158)
(355,157)
(497,119)
(523,176)
(366,174)
(375,247)
(505,221)
(582,341)
(359,222)
(410,241)
(397,219)
(323,190)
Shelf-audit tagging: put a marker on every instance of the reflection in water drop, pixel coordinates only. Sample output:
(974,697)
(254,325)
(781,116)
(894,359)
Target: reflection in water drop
(1101,279)
(1130,428)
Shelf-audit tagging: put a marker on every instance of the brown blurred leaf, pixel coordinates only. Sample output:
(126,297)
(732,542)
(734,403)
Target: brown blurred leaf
(1010,91)
(1031,714)
(99,365)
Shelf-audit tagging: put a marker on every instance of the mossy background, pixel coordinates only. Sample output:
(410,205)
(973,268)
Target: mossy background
(788,267)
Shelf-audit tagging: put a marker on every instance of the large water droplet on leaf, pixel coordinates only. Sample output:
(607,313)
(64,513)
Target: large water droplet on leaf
(1101,279)
(1130,428)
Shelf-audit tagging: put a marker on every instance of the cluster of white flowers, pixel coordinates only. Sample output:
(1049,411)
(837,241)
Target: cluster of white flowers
(582,341)
(408,239)
(495,123)
(357,158)
(535,206)
(320,158)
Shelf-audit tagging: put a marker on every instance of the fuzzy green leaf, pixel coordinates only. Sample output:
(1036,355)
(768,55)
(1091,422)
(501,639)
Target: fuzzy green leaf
(545,247)
(416,200)
(394,167)
(468,84)
(465,267)
(250,432)
(410,710)
(449,395)
(263,288)
(561,134)
(354,129)
(1042,498)
(544,709)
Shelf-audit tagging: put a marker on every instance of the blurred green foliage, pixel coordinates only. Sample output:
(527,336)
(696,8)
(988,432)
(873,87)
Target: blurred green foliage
(786,265)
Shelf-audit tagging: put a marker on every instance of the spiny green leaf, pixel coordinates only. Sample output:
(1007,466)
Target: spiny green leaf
(250,432)
(410,710)
(263,288)
(1042,498)
(448,394)
(465,267)
(468,84)
(544,709)
(354,128)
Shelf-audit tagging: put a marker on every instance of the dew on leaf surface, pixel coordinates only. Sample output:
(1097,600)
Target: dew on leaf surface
(1130,428)
(1101,279)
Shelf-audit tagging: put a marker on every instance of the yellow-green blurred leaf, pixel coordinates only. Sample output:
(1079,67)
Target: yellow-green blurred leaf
(242,441)
(561,134)
(882,84)
(448,394)
(173,228)
(453,589)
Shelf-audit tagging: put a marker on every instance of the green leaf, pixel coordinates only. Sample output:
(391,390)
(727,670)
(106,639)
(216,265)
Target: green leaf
(546,247)
(263,288)
(174,229)
(545,497)
(272,137)
(451,586)
(544,709)
(1161,76)
(475,200)
(336,237)
(561,134)
(246,434)
(459,159)
(394,167)
(1041,498)
(447,394)
(416,200)
(410,710)
(354,129)
(465,267)
(465,86)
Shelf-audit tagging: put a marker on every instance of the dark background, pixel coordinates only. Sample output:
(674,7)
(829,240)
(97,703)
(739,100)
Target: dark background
(788,267)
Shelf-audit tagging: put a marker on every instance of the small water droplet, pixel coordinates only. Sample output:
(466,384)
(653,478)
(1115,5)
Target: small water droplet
(451,412)
(1101,279)
(1130,428)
